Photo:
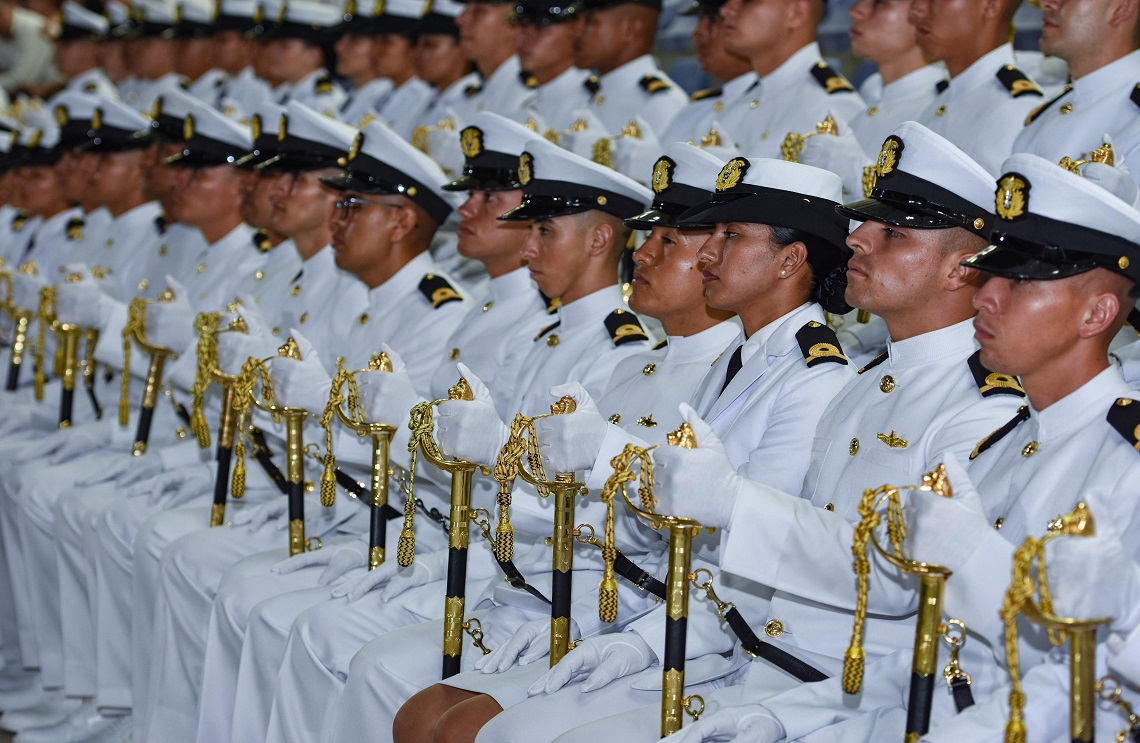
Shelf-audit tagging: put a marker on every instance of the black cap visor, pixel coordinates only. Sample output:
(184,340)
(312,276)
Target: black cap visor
(542,199)
(1038,257)
(373,177)
(668,207)
(205,154)
(919,204)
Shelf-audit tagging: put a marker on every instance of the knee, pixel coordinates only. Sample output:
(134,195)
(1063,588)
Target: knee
(415,721)
(463,721)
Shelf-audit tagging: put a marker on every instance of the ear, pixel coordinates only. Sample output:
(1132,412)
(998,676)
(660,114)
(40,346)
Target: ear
(958,276)
(793,258)
(600,238)
(798,14)
(992,8)
(403,222)
(1100,315)
(1123,13)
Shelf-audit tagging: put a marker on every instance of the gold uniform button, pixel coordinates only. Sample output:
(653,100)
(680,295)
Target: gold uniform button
(755,103)
(999,522)
(649,369)
(110,242)
(887,383)
(143,285)
(829,507)
(296,289)
(853,448)
(718,106)
(162,250)
(201,267)
(259,275)
(599,99)
(615,418)
(1030,449)
(764,136)
(304,317)
(647,422)
(940,111)
(363,319)
(774,628)
(552,340)
(454,354)
(872,110)
(1067,108)
(276,331)
(488,306)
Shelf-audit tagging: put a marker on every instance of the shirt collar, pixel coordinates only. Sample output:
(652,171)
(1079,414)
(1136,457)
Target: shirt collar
(982,70)
(629,74)
(141,214)
(505,75)
(707,342)
(403,282)
(238,237)
(591,307)
(921,80)
(932,347)
(1107,79)
(778,337)
(512,284)
(791,73)
(1080,407)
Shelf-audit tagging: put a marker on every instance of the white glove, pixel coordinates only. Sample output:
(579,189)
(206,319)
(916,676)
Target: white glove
(571,442)
(529,643)
(696,483)
(257,516)
(946,531)
(600,659)
(1115,178)
(301,384)
(388,397)
(69,443)
(26,290)
(82,302)
(841,154)
(171,324)
(235,348)
(746,722)
(338,561)
(174,489)
(471,429)
(364,584)
(1095,576)
(127,470)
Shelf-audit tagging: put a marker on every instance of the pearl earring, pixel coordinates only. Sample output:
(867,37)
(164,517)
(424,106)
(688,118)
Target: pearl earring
(783,273)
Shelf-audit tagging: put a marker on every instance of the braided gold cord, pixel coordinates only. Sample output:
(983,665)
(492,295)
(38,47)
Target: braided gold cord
(136,323)
(623,473)
(505,472)
(854,657)
(251,371)
(422,427)
(343,378)
(206,326)
(46,318)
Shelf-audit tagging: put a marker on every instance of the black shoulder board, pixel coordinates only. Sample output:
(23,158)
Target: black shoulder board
(941,86)
(324,86)
(261,241)
(75,228)
(547,329)
(661,345)
(874,362)
(1001,433)
(1124,416)
(160,224)
(529,80)
(1045,106)
(1017,82)
(653,84)
(624,327)
(993,383)
(472,89)
(592,84)
(438,290)
(820,345)
(829,79)
(1136,95)
(552,304)
(700,95)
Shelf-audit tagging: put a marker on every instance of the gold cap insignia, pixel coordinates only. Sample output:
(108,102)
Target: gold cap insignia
(1012,197)
(526,168)
(731,174)
(255,126)
(471,140)
(662,174)
(188,127)
(354,150)
(282,128)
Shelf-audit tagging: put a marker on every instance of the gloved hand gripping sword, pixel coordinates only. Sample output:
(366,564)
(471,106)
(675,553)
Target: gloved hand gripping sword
(22,316)
(135,330)
(344,393)
(1029,595)
(564,488)
(245,395)
(929,627)
(458,535)
(681,533)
